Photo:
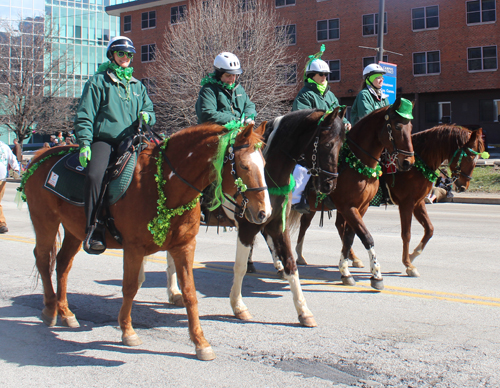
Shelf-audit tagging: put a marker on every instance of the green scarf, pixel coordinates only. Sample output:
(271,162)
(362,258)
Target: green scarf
(321,88)
(123,73)
(210,79)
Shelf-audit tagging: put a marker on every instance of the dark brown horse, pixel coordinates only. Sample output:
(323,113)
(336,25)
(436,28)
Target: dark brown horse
(308,135)
(358,181)
(176,218)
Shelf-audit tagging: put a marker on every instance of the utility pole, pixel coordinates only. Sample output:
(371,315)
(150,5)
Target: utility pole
(381,23)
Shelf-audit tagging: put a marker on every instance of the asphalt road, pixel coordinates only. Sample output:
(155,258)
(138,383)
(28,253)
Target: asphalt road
(439,330)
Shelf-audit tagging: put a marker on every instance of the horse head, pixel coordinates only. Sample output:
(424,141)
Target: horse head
(465,158)
(246,167)
(396,136)
(324,153)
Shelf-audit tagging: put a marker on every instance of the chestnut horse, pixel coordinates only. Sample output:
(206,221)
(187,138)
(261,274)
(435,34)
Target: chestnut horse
(314,137)
(461,147)
(164,189)
(358,182)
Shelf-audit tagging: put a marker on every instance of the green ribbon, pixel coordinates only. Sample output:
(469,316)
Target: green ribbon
(210,79)
(283,192)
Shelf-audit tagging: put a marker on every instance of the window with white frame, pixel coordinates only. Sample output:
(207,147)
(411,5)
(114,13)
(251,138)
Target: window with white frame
(481,11)
(334,75)
(282,3)
(444,112)
(369,60)
(148,52)
(127,23)
(150,85)
(286,74)
(148,20)
(287,34)
(177,13)
(489,110)
(328,29)
(426,63)
(425,18)
(370,24)
(482,58)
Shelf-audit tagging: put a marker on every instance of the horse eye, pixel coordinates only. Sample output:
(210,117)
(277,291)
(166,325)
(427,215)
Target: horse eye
(399,126)
(243,167)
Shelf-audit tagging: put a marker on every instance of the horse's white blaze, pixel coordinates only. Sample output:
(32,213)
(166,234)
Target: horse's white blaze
(277,262)
(256,158)
(344,265)
(417,252)
(172,287)
(298,297)
(374,264)
(239,269)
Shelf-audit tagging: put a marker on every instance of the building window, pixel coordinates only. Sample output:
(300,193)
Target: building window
(370,24)
(148,52)
(328,29)
(286,74)
(369,60)
(287,34)
(148,20)
(334,75)
(489,110)
(444,112)
(282,3)
(426,63)
(425,18)
(481,11)
(127,23)
(177,14)
(482,58)
(150,85)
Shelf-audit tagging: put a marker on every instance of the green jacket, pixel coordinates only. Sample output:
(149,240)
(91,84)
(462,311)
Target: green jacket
(364,104)
(218,105)
(104,112)
(309,97)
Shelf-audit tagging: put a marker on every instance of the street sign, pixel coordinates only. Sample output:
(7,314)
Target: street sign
(390,80)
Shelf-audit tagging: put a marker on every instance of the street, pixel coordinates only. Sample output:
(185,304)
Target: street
(438,330)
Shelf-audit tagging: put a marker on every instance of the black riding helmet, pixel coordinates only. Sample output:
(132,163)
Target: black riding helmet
(119,43)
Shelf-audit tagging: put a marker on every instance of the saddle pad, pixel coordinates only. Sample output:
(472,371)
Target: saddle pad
(68,184)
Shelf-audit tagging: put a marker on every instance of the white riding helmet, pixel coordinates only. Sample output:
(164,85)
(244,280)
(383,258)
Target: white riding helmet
(119,43)
(373,68)
(317,66)
(227,63)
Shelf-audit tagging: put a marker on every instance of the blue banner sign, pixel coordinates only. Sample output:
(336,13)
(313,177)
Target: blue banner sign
(390,80)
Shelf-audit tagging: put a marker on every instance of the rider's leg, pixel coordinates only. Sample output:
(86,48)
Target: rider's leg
(299,197)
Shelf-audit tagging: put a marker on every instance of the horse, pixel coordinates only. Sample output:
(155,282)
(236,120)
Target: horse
(313,137)
(358,183)
(160,211)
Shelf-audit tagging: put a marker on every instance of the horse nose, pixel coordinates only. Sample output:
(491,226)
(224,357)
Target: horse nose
(261,215)
(406,165)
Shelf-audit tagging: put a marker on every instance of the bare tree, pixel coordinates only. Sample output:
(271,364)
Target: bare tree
(31,98)
(252,30)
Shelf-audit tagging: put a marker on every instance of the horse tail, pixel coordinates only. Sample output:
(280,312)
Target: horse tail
(293,221)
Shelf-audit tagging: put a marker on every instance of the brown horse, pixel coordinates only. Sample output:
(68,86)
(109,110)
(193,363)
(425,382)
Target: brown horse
(314,137)
(191,153)
(358,182)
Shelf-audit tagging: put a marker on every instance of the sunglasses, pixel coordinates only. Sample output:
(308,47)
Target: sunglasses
(121,54)
(323,74)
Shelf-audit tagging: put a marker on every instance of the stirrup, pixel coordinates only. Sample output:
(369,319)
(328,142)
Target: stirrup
(94,246)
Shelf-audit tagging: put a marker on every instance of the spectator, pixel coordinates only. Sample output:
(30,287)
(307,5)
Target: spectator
(7,159)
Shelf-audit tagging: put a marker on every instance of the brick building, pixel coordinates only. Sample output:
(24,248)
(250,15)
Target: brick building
(449,61)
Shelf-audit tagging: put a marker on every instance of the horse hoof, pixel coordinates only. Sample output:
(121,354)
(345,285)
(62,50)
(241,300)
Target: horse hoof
(244,315)
(251,268)
(131,340)
(348,281)
(301,261)
(70,321)
(205,354)
(49,321)
(358,264)
(378,284)
(413,272)
(177,300)
(281,274)
(307,321)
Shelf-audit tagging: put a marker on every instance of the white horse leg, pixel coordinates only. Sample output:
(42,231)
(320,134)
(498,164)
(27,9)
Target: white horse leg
(299,249)
(240,268)
(174,294)
(376,280)
(417,252)
(276,261)
(306,317)
(347,278)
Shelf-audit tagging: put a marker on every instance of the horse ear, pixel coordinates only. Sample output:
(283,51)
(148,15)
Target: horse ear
(261,128)
(247,131)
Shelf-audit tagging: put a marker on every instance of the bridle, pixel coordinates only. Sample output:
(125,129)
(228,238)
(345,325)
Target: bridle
(396,151)
(455,173)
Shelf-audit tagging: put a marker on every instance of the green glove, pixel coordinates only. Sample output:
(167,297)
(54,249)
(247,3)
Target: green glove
(85,154)
(145,117)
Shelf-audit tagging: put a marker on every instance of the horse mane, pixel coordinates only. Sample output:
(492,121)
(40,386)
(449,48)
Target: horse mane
(438,143)
(369,117)
(44,152)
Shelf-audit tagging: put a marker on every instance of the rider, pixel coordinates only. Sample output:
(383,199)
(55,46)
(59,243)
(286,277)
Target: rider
(112,103)
(370,98)
(315,94)
(221,98)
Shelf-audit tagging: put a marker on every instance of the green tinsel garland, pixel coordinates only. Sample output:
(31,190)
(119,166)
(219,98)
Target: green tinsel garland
(356,164)
(320,197)
(33,168)
(283,191)
(430,175)
(210,79)
(160,225)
